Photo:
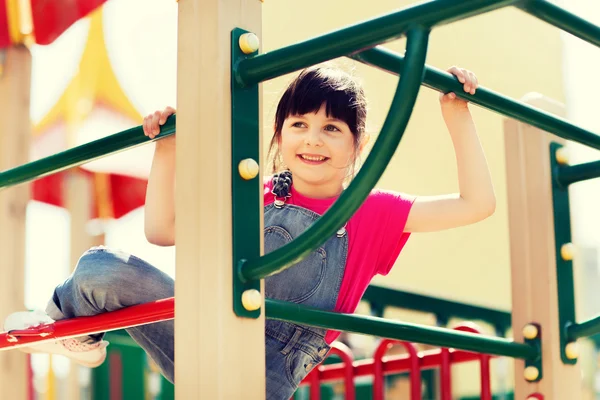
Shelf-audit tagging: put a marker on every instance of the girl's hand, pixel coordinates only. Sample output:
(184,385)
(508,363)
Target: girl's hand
(450,101)
(154,121)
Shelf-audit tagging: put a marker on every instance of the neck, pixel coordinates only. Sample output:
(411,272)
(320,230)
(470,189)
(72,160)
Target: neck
(318,191)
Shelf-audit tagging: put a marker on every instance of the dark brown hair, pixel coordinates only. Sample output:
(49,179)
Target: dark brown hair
(341,94)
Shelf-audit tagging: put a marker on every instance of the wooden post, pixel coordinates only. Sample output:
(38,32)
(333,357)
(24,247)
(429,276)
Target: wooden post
(533,262)
(78,191)
(15,137)
(218,356)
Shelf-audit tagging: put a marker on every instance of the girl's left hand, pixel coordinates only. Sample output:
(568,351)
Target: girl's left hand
(470,84)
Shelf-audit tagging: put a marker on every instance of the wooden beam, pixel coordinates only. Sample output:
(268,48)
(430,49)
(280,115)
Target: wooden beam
(15,137)
(218,356)
(78,191)
(533,262)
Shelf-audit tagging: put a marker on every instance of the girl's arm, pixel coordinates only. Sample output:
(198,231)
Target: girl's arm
(476,200)
(159,218)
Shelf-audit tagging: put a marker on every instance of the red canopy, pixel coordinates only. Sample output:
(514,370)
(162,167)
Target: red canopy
(114,197)
(50,18)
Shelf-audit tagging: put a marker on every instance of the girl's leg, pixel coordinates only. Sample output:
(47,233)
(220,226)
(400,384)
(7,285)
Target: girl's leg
(107,280)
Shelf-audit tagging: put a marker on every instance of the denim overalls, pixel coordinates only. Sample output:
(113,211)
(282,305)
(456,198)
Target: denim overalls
(292,350)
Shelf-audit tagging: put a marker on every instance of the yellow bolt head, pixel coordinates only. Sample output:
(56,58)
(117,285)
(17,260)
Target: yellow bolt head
(251,299)
(249,43)
(530,331)
(567,251)
(572,351)
(531,373)
(248,169)
(562,156)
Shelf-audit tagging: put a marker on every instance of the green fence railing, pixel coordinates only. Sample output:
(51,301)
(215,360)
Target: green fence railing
(400,330)
(379,298)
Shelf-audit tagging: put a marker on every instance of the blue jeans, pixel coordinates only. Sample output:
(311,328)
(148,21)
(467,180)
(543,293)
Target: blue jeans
(107,280)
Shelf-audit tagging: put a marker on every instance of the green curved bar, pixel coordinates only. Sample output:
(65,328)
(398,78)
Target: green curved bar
(584,329)
(349,201)
(444,82)
(386,328)
(563,19)
(108,145)
(359,37)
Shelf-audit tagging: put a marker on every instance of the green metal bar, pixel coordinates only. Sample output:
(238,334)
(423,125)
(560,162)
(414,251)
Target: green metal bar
(383,296)
(349,201)
(577,173)
(359,37)
(584,329)
(444,82)
(563,19)
(565,283)
(381,327)
(82,154)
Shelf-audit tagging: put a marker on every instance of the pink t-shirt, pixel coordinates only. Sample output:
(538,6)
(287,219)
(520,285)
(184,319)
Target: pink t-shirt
(375,238)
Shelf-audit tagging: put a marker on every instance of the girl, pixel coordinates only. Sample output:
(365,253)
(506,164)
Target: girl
(319,133)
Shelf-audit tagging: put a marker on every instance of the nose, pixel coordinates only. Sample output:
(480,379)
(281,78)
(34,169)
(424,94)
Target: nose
(313,137)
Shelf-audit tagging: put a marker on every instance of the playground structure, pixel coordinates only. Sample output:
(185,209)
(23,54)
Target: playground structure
(545,336)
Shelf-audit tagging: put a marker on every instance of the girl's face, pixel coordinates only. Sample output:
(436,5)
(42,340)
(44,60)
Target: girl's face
(318,150)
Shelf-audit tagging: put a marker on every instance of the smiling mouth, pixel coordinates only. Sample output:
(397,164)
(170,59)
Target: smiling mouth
(312,159)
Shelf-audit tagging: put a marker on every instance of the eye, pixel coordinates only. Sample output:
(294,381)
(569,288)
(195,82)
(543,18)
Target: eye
(298,125)
(332,128)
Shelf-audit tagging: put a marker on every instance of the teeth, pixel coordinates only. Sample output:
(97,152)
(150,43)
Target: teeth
(312,158)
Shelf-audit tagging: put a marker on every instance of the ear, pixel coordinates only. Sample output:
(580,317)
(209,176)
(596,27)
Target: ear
(363,142)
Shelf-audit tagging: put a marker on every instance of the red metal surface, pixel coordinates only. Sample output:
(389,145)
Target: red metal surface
(445,375)
(486,385)
(115,381)
(315,385)
(160,310)
(4,34)
(344,352)
(415,369)
(52,18)
(484,364)
(391,365)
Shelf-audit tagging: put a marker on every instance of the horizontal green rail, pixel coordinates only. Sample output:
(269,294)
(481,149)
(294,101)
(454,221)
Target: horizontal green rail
(584,329)
(358,37)
(387,297)
(82,154)
(578,173)
(381,327)
(444,82)
(563,19)
(349,201)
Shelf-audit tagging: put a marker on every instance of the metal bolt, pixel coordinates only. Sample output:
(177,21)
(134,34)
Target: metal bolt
(530,331)
(562,156)
(248,169)
(251,299)
(572,350)
(567,251)
(249,43)
(531,373)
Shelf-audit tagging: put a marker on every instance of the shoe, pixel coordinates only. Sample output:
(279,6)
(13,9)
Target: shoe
(89,355)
